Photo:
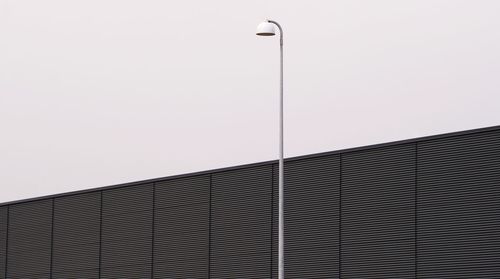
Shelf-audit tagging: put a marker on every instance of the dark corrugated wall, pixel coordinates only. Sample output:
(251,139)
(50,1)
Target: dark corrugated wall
(458,207)
(240,237)
(312,218)
(76,241)
(181,233)
(3,238)
(29,252)
(127,231)
(423,209)
(378,213)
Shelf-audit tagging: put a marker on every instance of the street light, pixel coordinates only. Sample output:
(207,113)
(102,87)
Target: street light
(266,28)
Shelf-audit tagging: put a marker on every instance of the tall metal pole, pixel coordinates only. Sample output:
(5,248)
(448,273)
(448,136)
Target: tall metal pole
(281,226)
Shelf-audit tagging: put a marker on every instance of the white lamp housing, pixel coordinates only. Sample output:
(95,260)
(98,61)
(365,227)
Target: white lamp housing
(265,29)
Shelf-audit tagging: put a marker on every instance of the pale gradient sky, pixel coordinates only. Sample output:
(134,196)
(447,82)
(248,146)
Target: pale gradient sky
(100,92)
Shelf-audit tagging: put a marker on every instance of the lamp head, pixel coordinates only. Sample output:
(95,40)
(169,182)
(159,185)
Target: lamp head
(265,29)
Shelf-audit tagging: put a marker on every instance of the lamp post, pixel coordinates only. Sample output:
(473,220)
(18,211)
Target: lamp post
(266,28)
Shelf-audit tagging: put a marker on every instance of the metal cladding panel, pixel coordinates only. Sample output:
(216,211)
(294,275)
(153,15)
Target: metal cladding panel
(128,272)
(126,232)
(33,276)
(75,257)
(312,189)
(76,232)
(240,237)
(115,254)
(77,219)
(182,256)
(182,191)
(3,252)
(173,225)
(378,213)
(182,208)
(127,199)
(182,236)
(3,239)
(77,274)
(458,217)
(28,264)
(3,217)
(30,239)
(182,269)
(122,228)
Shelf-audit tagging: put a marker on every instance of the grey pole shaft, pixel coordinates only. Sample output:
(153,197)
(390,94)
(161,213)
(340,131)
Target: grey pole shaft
(281,227)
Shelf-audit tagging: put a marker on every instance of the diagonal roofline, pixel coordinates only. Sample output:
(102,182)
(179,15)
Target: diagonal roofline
(211,171)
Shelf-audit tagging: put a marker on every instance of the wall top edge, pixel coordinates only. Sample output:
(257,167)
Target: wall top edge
(212,171)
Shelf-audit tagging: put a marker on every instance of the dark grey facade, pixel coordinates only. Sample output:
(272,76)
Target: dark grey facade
(423,208)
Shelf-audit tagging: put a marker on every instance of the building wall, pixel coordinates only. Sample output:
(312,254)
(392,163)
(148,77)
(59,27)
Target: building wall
(427,208)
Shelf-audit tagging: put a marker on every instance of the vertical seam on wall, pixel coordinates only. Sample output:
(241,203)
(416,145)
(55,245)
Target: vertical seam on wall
(272,217)
(153,227)
(52,239)
(209,224)
(340,216)
(415,209)
(7,241)
(100,236)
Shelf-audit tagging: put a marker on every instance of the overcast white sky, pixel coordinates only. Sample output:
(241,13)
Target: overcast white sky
(100,92)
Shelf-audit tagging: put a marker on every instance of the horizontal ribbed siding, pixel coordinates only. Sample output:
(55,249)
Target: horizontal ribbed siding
(3,239)
(312,188)
(30,239)
(126,233)
(182,208)
(77,274)
(378,213)
(137,271)
(459,207)
(3,217)
(34,276)
(241,223)
(76,233)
